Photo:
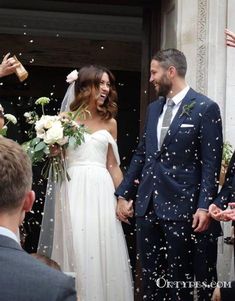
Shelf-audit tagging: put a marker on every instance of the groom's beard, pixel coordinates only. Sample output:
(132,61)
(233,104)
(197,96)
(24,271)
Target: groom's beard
(164,87)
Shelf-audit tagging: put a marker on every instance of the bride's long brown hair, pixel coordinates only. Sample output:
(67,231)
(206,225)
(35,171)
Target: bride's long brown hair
(87,86)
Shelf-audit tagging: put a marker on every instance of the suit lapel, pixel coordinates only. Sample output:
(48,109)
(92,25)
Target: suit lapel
(179,117)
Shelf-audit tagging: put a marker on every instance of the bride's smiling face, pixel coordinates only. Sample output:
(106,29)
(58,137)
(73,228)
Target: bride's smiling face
(104,89)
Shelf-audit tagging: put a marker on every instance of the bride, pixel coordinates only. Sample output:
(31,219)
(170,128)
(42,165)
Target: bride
(88,240)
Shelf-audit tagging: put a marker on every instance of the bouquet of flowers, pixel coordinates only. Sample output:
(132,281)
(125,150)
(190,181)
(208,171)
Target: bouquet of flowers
(50,136)
(9,118)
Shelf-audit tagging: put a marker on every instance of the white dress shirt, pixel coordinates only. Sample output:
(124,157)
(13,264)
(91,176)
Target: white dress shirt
(177,100)
(6,232)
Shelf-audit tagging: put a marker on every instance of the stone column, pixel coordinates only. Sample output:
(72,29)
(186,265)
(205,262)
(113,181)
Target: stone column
(187,15)
(216,81)
(200,35)
(230,80)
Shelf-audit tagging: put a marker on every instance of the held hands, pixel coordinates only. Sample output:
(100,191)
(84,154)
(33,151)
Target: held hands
(216,213)
(124,210)
(230,38)
(222,215)
(8,65)
(201,220)
(55,150)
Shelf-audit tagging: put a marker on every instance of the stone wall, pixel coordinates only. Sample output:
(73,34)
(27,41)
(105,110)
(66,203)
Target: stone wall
(197,28)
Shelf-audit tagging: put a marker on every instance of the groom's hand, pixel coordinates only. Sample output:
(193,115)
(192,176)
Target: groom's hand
(124,210)
(201,220)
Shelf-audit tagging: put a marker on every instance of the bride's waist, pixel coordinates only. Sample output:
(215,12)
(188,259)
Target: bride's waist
(86,163)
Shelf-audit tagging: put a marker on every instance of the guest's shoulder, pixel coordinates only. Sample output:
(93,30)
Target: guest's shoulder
(46,272)
(23,270)
(52,279)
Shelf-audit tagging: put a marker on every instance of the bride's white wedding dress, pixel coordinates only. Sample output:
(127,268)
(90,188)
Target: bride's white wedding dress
(88,238)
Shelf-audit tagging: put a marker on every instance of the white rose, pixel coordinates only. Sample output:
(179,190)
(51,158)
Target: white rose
(48,124)
(54,134)
(39,125)
(45,122)
(49,120)
(41,133)
(63,141)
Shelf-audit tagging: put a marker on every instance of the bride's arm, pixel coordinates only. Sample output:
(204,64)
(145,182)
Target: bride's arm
(112,164)
(113,167)
(124,208)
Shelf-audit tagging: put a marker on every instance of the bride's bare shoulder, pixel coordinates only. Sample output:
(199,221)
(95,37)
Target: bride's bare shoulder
(112,127)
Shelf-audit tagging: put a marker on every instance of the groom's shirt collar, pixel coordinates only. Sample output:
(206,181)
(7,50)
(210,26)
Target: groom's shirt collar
(180,96)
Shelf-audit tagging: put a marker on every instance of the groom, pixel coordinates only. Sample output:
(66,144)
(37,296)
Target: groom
(177,164)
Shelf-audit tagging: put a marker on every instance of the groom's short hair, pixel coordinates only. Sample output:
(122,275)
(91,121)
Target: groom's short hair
(172,57)
(15,174)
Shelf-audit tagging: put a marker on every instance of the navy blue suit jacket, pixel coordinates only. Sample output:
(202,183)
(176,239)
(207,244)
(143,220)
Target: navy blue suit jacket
(227,294)
(183,175)
(227,192)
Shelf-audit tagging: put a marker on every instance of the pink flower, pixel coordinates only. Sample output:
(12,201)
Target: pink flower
(72,76)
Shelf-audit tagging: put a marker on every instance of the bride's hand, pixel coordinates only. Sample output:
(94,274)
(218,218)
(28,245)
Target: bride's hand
(219,214)
(55,150)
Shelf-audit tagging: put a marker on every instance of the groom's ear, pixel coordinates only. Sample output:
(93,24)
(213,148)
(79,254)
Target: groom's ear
(171,72)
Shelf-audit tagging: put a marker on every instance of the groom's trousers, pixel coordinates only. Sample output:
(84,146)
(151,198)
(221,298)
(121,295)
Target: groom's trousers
(165,250)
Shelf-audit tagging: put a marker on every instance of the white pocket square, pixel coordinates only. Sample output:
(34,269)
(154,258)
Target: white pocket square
(186,125)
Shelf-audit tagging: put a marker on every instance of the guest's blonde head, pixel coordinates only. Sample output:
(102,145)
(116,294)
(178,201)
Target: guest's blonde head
(15,174)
